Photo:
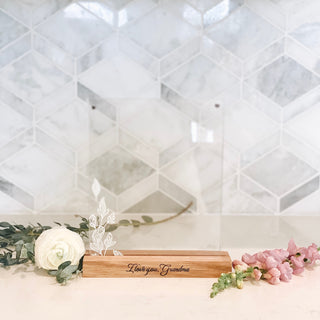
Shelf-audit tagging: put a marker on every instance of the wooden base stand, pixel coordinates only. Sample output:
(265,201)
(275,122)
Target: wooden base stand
(158,263)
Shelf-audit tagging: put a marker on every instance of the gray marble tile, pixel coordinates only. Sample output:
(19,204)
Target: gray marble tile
(76,124)
(280,163)
(10,29)
(93,99)
(153,121)
(32,78)
(167,33)
(300,193)
(12,124)
(15,50)
(118,170)
(199,79)
(284,80)
(243,39)
(309,35)
(76,23)
(157,202)
(34,171)
(16,193)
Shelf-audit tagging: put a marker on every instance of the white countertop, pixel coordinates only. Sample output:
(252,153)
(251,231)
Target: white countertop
(25,294)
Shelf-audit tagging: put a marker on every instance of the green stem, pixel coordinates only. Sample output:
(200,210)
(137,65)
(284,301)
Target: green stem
(169,218)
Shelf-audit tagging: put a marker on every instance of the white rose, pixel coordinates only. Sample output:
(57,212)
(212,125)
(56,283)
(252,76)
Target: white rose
(57,245)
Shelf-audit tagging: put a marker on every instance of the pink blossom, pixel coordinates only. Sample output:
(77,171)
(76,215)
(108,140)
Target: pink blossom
(257,274)
(271,262)
(297,271)
(297,261)
(279,254)
(249,259)
(273,276)
(261,257)
(286,271)
(312,254)
(239,265)
(292,248)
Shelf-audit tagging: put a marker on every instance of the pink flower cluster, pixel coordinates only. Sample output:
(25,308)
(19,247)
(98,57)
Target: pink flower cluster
(278,265)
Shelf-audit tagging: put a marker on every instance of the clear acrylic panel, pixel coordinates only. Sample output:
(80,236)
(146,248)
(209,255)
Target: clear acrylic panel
(156,159)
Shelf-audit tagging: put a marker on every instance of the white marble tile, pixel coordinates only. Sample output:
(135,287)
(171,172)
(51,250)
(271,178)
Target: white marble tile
(199,79)
(284,80)
(76,124)
(33,170)
(20,10)
(139,55)
(198,169)
(220,11)
(308,206)
(221,56)
(300,193)
(99,103)
(134,10)
(137,192)
(261,148)
(177,193)
(54,147)
(16,193)
(120,77)
(10,29)
(118,4)
(167,33)
(258,193)
(76,23)
(306,126)
(54,53)
(243,39)
(58,98)
(101,10)
(43,9)
(15,50)
(154,121)
(32,78)
(12,123)
(269,11)
(299,147)
(148,153)
(75,202)
(179,56)
(182,104)
(262,103)
(204,5)
(25,139)
(257,125)
(280,163)
(118,170)
(264,57)
(11,206)
(157,202)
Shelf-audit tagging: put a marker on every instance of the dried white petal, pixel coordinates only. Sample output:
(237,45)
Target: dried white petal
(96,188)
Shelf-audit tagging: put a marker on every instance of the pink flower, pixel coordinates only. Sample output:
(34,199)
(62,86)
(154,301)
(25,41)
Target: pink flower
(239,265)
(261,257)
(286,271)
(312,254)
(292,248)
(257,274)
(273,276)
(249,259)
(297,271)
(297,261)
(279,254)
(271,262)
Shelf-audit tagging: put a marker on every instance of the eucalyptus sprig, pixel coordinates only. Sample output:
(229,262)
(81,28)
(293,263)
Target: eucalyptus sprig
(17,241)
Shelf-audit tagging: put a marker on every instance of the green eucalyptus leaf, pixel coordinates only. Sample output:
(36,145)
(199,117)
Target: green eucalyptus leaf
(111,227)
(147,219)
(5,225)
(136,223)
(124,222)
(52,272)
(64,265)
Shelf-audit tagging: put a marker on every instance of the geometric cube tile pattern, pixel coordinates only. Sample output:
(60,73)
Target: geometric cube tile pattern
(127,92)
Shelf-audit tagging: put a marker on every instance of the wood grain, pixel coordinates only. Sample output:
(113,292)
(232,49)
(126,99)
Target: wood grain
(158,263)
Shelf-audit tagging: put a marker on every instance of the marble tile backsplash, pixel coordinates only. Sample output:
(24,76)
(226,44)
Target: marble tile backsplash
(124,90)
